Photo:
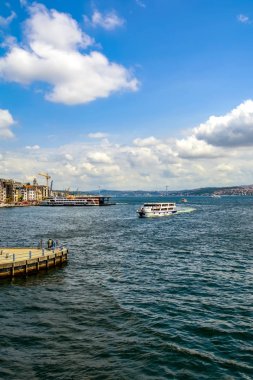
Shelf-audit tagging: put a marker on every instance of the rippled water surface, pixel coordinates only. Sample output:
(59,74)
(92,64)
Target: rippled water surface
(167,298)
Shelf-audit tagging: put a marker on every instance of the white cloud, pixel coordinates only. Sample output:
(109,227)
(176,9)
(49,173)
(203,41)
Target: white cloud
(143,158)
(54,30)
(108,21)
(69,157)
(5,21)
(115,166)
(147,163)
(99,157)
(146,141)
(51,54)
(191,147)
(8,41)
(243,19)
(6,121)
(97,135)
(225,167)
(140,3)
(32,147)
(233,129)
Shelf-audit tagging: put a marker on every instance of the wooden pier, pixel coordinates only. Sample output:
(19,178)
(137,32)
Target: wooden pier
(23,261)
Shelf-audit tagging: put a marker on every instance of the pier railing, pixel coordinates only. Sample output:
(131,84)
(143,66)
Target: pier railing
(27,253)
(34,245)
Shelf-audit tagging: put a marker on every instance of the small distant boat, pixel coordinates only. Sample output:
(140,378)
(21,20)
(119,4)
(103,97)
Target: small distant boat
(149,210)
(184,200)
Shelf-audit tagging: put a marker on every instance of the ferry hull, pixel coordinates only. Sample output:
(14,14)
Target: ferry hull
(155,215)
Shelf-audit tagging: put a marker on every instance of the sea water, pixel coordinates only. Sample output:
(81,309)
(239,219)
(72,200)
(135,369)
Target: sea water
(163,298)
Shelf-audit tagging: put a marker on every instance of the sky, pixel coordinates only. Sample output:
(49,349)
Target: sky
(127,95)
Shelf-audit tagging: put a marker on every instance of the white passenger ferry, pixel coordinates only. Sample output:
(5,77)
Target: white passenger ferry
(149,210)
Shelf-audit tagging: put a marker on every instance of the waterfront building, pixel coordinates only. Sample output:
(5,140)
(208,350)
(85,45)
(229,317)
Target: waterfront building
(2,192)
(31,193)
(13,192)
(7,191)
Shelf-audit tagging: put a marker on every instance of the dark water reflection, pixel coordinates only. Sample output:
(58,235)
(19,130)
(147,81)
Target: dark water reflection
(141,299)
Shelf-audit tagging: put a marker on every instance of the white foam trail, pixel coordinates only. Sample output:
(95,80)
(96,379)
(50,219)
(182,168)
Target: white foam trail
(185,210)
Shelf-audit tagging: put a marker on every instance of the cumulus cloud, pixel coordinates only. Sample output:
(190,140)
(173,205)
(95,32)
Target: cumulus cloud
(6,121)
(191,147)
(88,165)
(51,29)
(97,135)
(52,53)
(5,21)
(148,163)
(243,19)
(225,167)
(108,21)
(68,157)
(99,157)
(214,138)
(143,158)
(233,129)
(118,166)
(32,147)
(146,141)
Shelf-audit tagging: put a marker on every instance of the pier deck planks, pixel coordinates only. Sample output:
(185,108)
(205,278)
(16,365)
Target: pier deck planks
(22,261)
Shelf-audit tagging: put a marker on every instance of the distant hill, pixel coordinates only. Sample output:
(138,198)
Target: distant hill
(205,191)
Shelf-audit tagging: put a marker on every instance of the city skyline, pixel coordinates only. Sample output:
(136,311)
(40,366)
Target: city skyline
(139,95)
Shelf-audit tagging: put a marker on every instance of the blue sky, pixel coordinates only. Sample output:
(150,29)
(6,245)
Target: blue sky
(121,94)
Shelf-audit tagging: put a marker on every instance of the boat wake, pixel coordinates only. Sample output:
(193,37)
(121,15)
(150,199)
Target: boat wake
(185,210)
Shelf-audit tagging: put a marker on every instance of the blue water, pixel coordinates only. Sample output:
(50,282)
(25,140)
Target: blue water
(167,298)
